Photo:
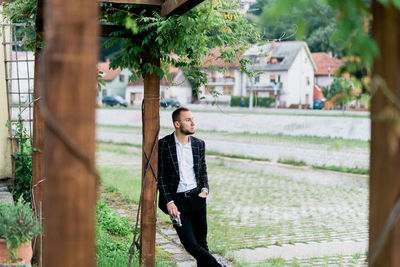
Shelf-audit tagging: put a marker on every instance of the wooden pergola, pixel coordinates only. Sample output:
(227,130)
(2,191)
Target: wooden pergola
(64,176)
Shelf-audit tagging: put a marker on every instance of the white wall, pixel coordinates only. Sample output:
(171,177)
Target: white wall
(323,81)
(297,87)
(180,89)
(116,87)
(5,146)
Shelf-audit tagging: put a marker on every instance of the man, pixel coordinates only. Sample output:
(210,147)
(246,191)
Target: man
(183,185)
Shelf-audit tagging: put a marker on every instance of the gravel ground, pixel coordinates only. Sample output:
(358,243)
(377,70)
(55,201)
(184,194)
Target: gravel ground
(311,154)
(288,124)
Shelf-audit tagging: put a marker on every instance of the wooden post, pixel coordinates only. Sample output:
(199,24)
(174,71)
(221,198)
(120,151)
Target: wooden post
(68,108)
(38,130)
(151,124)
(385,134)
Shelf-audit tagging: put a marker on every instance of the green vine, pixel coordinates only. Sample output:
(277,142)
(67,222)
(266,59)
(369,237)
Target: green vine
(23,162)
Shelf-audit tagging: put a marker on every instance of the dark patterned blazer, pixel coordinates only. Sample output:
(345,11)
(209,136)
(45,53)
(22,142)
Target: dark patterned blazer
(168,168)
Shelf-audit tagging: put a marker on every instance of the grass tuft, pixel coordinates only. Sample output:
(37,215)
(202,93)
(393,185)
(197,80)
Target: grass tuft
(355,170)
(292,161)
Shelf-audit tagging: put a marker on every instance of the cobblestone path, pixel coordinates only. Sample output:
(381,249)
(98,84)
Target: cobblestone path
(257,209)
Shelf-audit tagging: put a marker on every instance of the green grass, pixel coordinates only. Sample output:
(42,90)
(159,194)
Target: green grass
(113,240)
(101,146)
(234,156)
(355,170)
(127,181)
(246,137)
(292,161)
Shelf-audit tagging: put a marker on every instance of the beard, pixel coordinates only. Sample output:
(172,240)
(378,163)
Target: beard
(187,132)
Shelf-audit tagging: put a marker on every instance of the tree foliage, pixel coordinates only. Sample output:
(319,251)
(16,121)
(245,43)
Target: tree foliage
(314,23)
(339,26)
(182,41)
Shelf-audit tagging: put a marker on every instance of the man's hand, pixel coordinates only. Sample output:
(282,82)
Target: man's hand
(172,210)
(203,194)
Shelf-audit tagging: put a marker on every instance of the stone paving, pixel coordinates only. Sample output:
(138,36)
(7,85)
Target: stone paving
(269,207)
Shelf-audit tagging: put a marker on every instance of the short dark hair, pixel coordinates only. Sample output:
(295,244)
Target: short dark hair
(176,115)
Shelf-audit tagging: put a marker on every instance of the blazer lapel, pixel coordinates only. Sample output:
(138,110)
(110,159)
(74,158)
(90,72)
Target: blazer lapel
(174,157)
(196,155)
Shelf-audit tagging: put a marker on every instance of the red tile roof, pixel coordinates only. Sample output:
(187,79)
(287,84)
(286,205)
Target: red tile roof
(324,61)
(220,63)
(109,74)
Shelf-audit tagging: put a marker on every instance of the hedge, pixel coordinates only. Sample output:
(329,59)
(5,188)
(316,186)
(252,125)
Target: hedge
(257,101)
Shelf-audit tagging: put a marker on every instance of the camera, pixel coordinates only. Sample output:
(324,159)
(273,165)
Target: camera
(176,221)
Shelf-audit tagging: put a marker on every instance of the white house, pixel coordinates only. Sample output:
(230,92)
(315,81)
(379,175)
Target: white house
(177,88)
(224,84)
(116,80)
(286,71)
(326,67)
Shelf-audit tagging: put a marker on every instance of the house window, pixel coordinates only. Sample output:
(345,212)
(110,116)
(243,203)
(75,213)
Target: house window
(229,74)
(274,60)
(255,59)
(257,79)
(307,80)
(279,78)
(228,90)
(209,90)
(272,78)
(104,92)
(121,78)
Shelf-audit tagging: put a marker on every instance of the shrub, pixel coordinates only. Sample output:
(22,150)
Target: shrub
(18,223)
(23,162)
(257,101)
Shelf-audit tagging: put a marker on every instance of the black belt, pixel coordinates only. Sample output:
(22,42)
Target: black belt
(189,193)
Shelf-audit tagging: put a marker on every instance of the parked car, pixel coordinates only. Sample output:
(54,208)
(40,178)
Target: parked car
(114,101)
(170,102)
(318,104)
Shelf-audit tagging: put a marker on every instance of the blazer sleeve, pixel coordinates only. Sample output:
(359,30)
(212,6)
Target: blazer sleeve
(165,194)
(203,165)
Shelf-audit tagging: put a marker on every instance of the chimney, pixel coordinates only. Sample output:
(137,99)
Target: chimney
(108,60)
(330,54)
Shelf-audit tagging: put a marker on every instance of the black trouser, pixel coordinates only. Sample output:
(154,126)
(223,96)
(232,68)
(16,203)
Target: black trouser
(193,232)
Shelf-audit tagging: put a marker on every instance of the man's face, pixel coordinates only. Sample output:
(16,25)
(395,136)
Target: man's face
(186,123)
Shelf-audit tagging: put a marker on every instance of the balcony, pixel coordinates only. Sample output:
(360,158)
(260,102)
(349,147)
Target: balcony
(221,81)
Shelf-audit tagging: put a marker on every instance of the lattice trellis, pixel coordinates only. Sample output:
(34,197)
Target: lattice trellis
(19,77)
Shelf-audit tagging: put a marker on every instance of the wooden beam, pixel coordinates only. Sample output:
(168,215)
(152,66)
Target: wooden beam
(177,7)
(151,125)
(70,79)
(135,2)
(385,138)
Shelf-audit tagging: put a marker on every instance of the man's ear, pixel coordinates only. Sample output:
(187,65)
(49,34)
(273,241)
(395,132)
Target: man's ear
(177,124)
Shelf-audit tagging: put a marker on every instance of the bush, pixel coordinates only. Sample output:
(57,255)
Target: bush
(18,223)
(257,101)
